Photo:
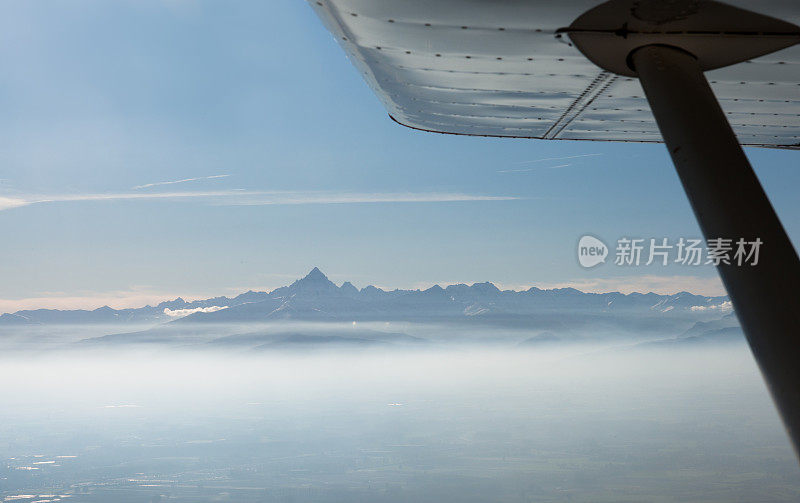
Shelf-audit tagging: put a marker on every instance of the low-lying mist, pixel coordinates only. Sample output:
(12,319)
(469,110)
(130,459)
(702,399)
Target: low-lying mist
(413,422)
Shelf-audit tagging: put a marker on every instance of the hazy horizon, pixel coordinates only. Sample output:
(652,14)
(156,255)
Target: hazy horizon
(72,303)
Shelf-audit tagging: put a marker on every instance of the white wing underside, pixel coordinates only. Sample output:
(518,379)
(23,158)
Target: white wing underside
(496,68)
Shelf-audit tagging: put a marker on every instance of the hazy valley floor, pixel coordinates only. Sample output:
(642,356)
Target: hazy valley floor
(456,424)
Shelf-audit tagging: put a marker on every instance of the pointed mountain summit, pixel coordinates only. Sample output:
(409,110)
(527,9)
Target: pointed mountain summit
(348,289)
(315,283)
(316,275)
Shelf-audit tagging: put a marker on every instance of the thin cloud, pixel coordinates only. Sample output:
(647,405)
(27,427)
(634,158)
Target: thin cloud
(180,313)
(7,203)
(725,306)
(525,170)
(254,198)
(155,184)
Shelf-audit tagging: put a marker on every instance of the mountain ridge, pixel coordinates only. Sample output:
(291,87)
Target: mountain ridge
(315,297)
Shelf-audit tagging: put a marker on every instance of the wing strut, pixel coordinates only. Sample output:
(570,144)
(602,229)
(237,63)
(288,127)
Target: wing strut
(729,203)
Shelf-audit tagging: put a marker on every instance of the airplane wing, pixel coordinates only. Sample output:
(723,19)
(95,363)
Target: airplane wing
(498,68)
(716,75)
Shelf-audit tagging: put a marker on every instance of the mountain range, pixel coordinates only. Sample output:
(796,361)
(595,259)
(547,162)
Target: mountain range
(316,298)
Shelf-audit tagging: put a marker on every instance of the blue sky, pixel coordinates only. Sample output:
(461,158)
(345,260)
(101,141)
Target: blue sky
(102,98)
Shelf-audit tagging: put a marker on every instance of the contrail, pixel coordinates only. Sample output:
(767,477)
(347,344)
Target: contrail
(525,170)
(178,181)
(256,198)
